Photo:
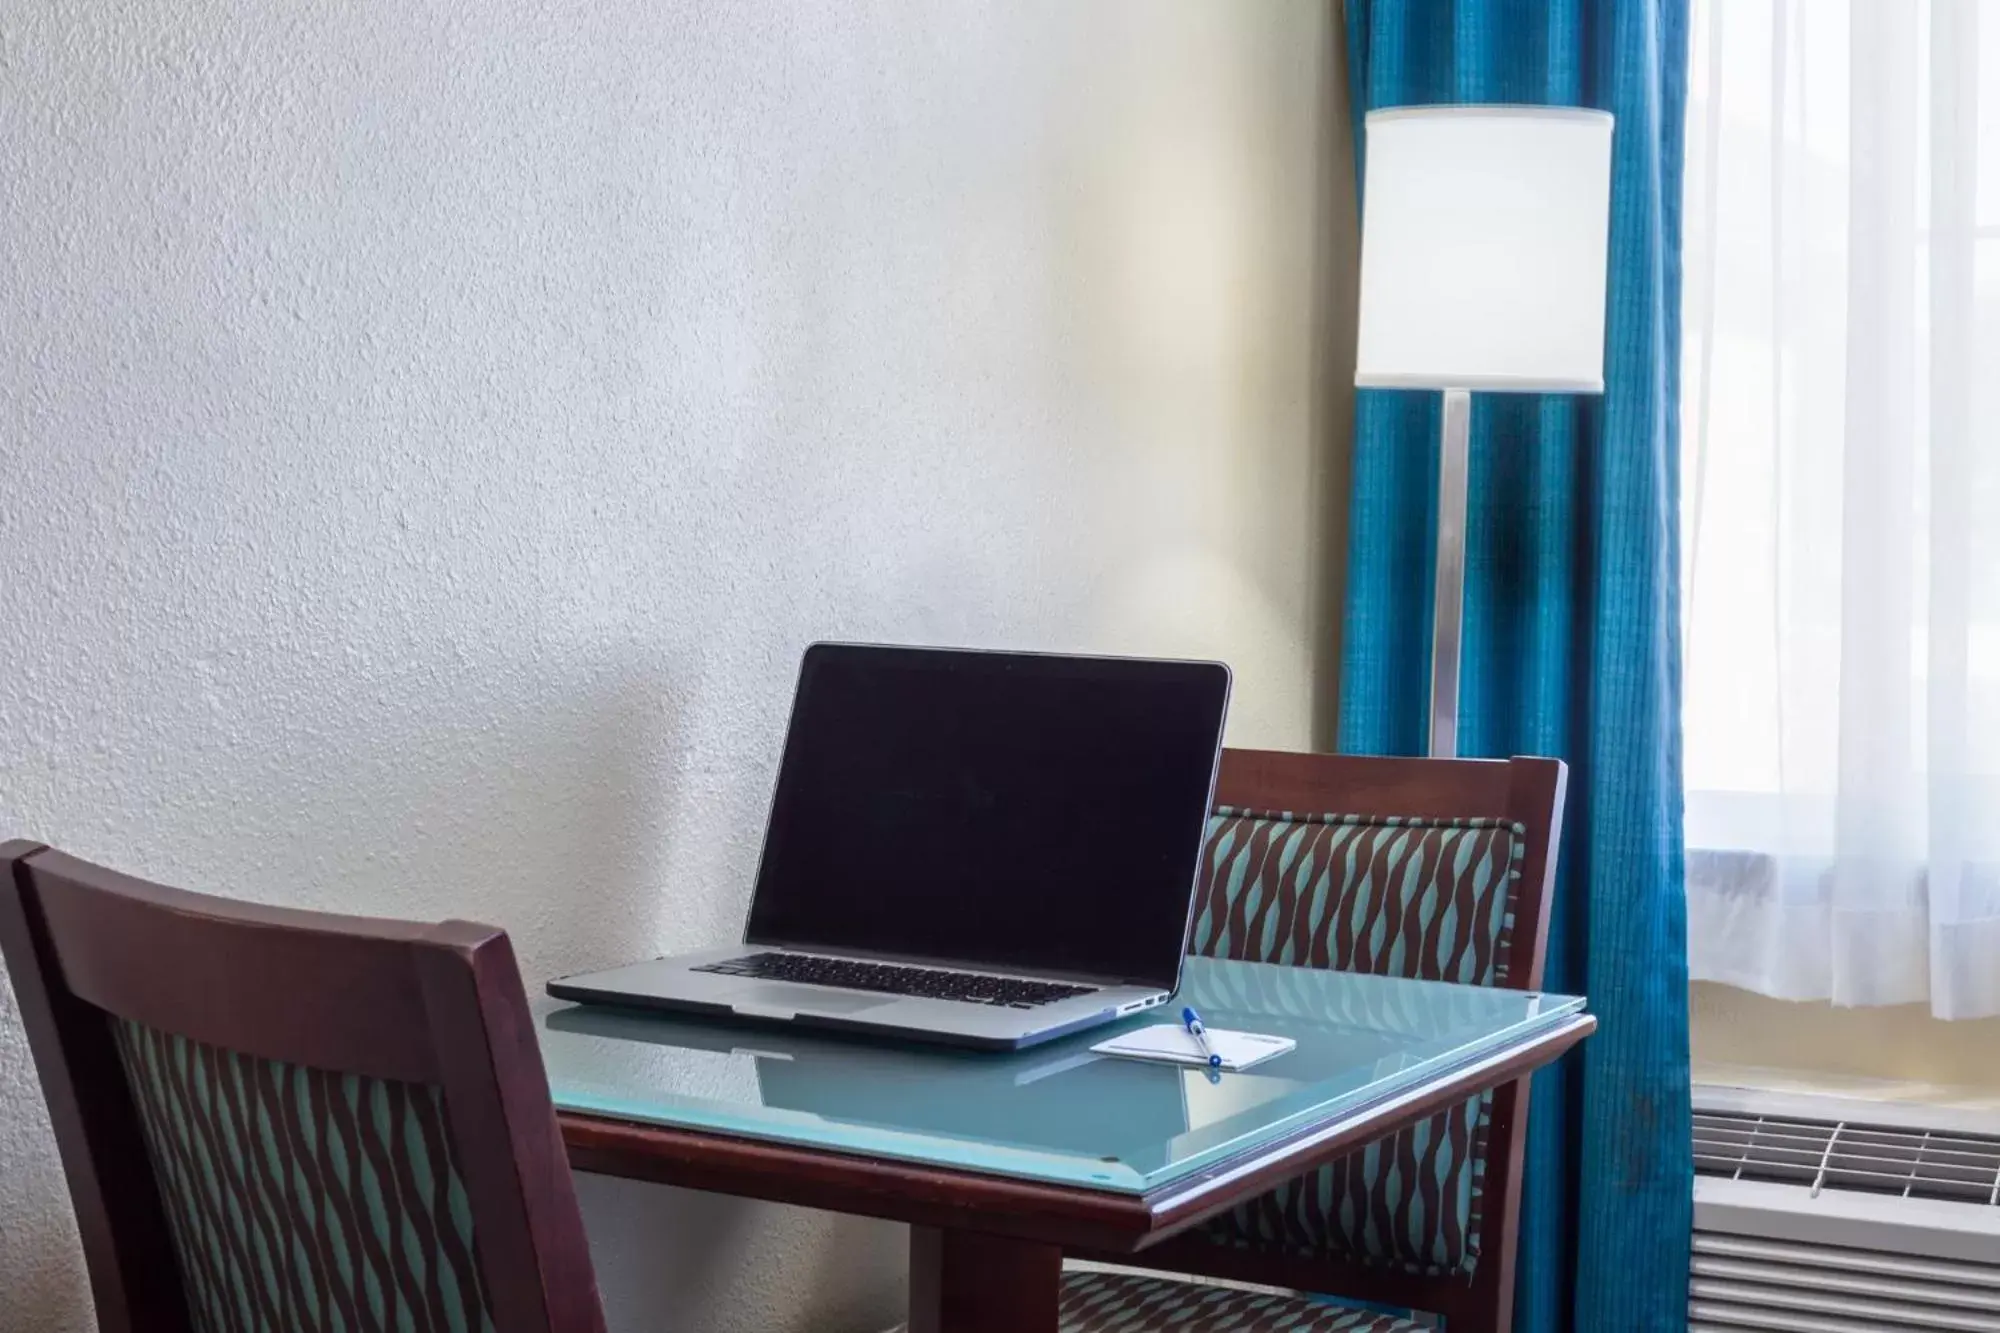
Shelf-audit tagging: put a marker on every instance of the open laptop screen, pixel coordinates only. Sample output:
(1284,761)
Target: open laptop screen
(998,810)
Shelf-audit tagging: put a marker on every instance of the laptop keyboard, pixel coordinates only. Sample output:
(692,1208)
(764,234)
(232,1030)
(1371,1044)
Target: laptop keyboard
(926,983)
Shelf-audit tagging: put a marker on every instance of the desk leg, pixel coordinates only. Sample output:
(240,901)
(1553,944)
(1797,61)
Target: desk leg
(966,1282)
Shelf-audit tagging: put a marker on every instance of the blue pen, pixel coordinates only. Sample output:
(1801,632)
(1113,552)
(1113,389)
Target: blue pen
(1200,1035)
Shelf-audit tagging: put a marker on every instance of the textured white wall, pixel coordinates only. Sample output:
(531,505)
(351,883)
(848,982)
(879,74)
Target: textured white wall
(431,430)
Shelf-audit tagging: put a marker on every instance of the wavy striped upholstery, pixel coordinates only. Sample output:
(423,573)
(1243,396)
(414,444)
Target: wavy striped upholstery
(1403,897)
(301,1199)
(1098,1302)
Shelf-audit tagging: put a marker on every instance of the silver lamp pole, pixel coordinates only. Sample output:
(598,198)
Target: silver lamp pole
(1448,601)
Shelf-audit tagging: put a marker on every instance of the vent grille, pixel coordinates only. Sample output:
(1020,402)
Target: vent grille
(1873,1159)
(1742,1284)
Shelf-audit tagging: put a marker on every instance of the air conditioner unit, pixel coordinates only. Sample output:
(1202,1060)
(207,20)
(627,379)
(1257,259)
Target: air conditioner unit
(1823,1215)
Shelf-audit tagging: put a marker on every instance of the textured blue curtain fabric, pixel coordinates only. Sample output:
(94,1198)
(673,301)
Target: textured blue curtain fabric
(1571,635)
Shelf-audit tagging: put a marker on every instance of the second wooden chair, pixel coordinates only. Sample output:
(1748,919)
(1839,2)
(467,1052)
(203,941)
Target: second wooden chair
(1430,868)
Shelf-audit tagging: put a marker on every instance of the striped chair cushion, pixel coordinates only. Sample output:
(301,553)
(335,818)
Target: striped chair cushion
(1099,1302)
(301,1199)
(1399,897)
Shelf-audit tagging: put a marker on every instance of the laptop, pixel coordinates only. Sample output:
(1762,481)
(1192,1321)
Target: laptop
(983,848)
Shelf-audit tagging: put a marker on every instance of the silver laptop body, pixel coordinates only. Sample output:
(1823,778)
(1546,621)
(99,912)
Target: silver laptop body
(982,848)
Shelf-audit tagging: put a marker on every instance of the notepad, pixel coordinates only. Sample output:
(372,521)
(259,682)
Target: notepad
(1174,1044)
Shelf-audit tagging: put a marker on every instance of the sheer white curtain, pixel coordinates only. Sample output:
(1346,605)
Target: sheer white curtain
(1841,500)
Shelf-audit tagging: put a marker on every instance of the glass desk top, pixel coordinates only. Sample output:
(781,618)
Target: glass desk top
(1057,1112)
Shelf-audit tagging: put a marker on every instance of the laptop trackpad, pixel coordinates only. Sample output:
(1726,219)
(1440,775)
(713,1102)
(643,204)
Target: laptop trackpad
(776,999)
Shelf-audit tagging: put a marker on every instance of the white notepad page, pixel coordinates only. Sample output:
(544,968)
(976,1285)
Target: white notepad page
(1174,1044)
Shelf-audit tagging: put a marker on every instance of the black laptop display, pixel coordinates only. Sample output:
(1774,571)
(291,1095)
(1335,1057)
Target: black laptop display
(992,809)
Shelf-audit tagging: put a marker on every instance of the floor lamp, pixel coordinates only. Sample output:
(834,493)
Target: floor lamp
(1484,231)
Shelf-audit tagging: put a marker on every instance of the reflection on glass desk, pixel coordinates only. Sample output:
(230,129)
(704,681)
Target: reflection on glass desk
(1058,1112)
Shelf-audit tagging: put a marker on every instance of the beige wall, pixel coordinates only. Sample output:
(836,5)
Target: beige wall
(1899,1053)
(1337,280)
(432,431)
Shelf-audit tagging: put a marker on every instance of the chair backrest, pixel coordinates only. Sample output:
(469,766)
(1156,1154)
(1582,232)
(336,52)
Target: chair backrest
(275,1119)
(1432,868)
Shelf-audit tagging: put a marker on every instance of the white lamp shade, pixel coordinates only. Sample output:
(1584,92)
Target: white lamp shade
(1484,231)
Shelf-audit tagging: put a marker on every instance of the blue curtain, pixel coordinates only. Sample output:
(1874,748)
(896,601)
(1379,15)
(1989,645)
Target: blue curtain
(1571,635)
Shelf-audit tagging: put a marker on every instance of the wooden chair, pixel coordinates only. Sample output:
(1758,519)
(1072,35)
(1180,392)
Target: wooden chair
(1434,868)
(274,1119)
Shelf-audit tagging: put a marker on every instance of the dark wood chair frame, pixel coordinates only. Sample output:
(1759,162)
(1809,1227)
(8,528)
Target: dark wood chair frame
(1527,791)
(440,1005)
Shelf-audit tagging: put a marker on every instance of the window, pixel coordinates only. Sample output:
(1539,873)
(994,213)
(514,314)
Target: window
(1841,500)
